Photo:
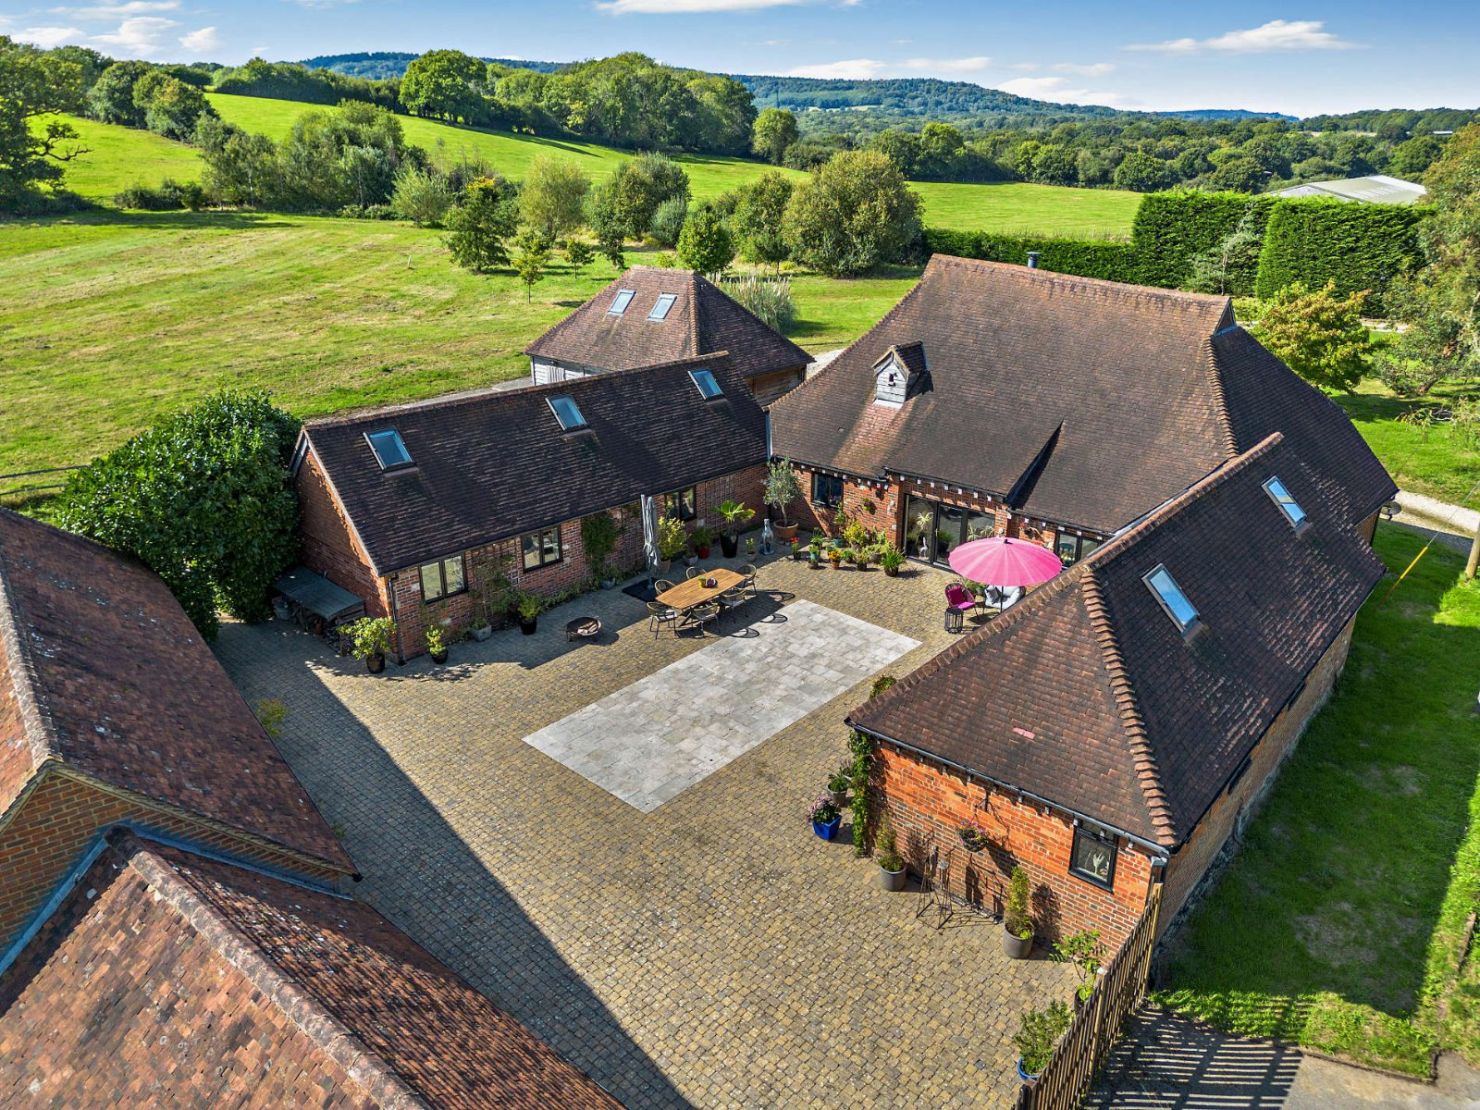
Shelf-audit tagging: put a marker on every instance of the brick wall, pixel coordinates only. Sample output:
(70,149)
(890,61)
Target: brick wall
(333,553)
(47,831)
(1199,861)
(928,802)
(329,545)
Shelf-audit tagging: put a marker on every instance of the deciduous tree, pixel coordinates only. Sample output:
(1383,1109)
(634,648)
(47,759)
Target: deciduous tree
(775,130)
(33,84)
(760,208)
(552,196)
(705,244)
(1317,334)
(479,227)
(445,84)
(852,214)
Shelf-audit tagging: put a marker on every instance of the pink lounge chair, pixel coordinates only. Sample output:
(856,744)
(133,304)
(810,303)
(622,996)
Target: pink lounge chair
(959,597)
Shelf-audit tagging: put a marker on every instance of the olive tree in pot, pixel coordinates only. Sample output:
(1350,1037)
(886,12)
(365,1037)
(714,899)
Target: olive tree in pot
(736,516)
(599,535)
(673,542)
(437,643)
(528,606)
(782,488)
(1037,1036)
(1017,925)
(891,864)
(370,640)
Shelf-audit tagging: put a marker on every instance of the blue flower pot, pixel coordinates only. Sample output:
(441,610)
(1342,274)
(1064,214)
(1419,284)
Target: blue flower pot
(827,830)
(1024,1075)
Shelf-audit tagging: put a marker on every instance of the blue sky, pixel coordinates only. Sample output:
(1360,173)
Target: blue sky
(1314,57)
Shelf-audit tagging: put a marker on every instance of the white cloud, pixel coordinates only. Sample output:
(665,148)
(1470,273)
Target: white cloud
(46,37)
(138,36)
(1093,69)
(120,10)
(862,69)
(1276,35)
(205,40)
(1060,89)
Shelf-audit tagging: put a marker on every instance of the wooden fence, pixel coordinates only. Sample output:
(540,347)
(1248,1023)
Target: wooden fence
(31,485)
(1071,1070)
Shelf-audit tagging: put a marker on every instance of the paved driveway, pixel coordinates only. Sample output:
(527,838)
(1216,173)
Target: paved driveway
(709,952)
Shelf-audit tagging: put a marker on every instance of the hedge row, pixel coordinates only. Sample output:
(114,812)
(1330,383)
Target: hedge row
(1173,228)
(1085,257)
(1359,246)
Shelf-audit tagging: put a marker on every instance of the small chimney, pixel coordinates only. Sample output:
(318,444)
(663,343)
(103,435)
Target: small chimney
(1032,260)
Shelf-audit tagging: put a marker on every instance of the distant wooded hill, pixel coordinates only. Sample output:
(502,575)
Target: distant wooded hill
(380,64)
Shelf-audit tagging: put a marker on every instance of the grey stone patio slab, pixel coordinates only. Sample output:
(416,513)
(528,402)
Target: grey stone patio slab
(652,740)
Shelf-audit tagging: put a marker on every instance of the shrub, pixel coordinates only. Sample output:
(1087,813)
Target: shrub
(479,226)
(1085,257)
(638,187)
(1038,1034)
(1353,246)
(668,221)
(421,196)
(768,299)
(854,213)
(1015,914)
(169,196)
(1173,228)
(885,847)
(369,636)
(579,253)
(672,540)
(1317,334)
(204,499)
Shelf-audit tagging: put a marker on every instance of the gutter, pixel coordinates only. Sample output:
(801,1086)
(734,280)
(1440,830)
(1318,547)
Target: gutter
(1159,851)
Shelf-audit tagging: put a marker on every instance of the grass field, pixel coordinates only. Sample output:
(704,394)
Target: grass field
(112,320)
(121,156)
(1343,922)
(1436,460)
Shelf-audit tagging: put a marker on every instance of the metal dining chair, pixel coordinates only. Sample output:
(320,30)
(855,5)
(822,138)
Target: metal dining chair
(732,598)
(659,615)
(701,615)
(662,586)
(749,572)
(693,572)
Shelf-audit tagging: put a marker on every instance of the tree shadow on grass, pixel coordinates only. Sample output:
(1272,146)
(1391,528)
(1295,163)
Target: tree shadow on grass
(174,221)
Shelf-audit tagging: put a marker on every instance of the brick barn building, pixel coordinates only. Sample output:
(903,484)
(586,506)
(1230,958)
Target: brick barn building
(1006,400)
(175,926)
(1116,728)
(414,508)
(653,315)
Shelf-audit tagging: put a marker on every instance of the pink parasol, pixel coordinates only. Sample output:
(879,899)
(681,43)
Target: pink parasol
(1000,561)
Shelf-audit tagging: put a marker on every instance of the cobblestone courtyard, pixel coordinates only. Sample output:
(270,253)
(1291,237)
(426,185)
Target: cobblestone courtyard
(711,952)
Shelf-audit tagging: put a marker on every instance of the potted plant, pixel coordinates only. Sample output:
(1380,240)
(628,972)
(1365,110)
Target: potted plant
(891,559)
(672,542)
(370,640)
(891,865)
(1038,1034)
(814,552)
(750,547)
(862,556)
(436,643)
(826,817)
(599,535)
(1017,925)
(835,556)
(782,488)
(700,539)
(837,785)
(1082,949)
(736,515)
(528,607)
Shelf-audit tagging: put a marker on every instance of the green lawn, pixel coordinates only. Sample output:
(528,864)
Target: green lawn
(112,320)
(1435,460)
(121,156)
(1341,924)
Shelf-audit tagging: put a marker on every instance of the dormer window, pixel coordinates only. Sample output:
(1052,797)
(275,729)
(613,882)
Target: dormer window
(709,388)
(1183,613)
(900,374)
(1288,505)
(621,301)
(567,412)
(389,449)
(662,306)
(890,383)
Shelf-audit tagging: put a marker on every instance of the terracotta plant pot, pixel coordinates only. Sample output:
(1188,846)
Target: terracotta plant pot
(785,532)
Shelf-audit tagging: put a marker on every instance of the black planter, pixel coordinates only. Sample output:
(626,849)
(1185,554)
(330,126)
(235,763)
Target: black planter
(729,545)
(528,627)
(375,663)
(439,657)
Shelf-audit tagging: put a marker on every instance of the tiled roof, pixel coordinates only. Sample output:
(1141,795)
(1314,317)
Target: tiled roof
(105,673)
(1088,695)
(702,319)
(168,979)
(1085,402)
(495,463)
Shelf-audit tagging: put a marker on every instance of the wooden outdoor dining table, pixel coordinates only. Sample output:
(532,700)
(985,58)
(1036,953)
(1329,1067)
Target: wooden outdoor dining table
(687,595)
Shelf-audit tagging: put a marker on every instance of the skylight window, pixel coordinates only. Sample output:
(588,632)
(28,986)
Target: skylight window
(621,301)
(567,412)
(708,387)
(1173,600)
(662,306)
(1288,505)
(389,449)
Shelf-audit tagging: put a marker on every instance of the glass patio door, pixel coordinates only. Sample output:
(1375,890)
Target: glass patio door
(932,530)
